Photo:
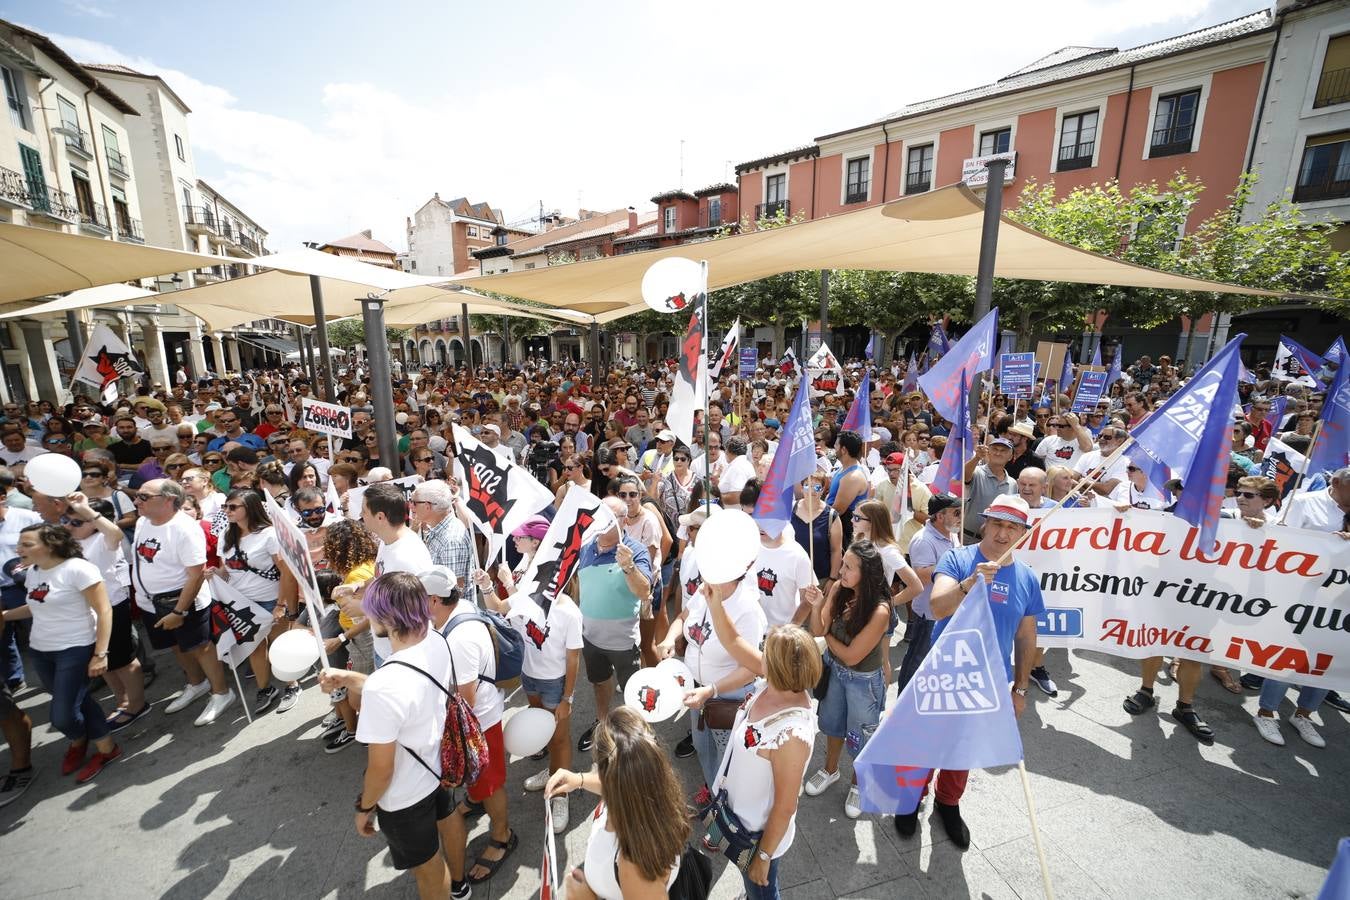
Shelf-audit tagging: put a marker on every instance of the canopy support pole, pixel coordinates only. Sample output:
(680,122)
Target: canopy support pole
(381,388)
(993,211)
(76,335)
(594,353)
(321,333)
(464,333)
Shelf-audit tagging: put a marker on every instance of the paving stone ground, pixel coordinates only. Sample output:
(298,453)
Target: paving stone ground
(1127,808)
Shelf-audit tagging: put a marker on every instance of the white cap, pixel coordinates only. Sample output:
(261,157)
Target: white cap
(438,581)
(493,428)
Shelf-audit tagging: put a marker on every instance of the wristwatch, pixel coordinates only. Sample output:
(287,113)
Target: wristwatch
(1021,692)
(363,809)
(343,639)
(103,655)
(764,856)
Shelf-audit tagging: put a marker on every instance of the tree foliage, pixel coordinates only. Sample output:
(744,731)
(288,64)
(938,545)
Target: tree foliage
(347,333)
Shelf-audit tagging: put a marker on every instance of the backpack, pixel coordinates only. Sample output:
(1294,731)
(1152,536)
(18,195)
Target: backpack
(509,643)
(464,749)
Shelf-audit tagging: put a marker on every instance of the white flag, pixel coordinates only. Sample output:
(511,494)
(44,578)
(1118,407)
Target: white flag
(105,360)
(690,393)
(825,374)
(581,519)
(727,354)
(238,624)
(498,494)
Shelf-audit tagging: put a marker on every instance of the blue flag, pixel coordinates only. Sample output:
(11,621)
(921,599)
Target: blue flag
(1191,433)
(1065,374)
(867,351)
(859,416)
(1310,361)
(938,345)
(950,477)
(1113,373)
(911,383)
(1336,352)
(792,463)
(1097,353)
(1337,885)
(973,354)
(1277,407)
(1244,374)
(1332,450)
(955,713)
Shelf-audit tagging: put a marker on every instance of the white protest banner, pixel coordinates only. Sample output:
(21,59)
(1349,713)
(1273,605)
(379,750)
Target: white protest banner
(295,554)
(325,418)
(827,376)
(1269,600)
(498,494)
(580,519)
(238,624)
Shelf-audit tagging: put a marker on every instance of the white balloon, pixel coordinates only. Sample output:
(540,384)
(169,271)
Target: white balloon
(528,731)
(292,654)
(654,694)
(672,284)
(683,675)
(53,474)
(727,545)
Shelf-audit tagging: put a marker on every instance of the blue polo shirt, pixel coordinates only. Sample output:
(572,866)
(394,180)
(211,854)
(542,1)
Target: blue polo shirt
(609,610)
(247,439)
(1014,595)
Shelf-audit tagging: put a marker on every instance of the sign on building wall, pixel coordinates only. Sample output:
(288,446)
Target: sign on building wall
(974,173)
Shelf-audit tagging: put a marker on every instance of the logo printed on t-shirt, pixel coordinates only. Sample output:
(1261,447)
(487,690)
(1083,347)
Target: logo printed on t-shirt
(148,549)
(998,592)
(40,592)
(699,632)
(1065,452)
(752,736)
(536,634)
(691,586)
(768,580)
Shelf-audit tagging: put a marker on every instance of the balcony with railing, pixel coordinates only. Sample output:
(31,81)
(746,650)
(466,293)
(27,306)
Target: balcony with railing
(771,209)
(250,244)
(1324,183)
(919,182)
(118,164)
(130,230)
(13,190)
(94,217)
(78,141)
(856,195)
(54,203)
(1076,156)
(199,219)
(1333,88)
(228,230)
(208,276)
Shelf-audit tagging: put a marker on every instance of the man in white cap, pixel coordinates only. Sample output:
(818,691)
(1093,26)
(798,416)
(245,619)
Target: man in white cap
(1014,601)
(658,461)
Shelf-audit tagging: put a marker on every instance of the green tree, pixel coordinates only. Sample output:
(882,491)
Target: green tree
(893,302)
(347,333)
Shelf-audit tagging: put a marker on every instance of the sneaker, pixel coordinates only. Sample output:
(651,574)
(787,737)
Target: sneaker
(1306,730)
(288,697)
(190,693)
(215,706)
(340,740)
(587,739)
(74,757)
(537,781)
(817,783)
(460,890)
(561,813)
(265,698)
(1336,701)
(1043,681)
(685,748)
(14,784)
(1251,682)
(96,764)
(853,803)
(330,723)
(953,824)
(1269,728)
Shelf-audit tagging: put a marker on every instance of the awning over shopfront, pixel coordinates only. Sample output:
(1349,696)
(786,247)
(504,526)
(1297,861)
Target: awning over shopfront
(937,232)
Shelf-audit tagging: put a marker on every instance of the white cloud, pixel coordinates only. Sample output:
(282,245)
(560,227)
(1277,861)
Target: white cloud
(608,126)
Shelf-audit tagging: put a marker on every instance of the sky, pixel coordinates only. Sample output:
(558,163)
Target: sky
(323,119)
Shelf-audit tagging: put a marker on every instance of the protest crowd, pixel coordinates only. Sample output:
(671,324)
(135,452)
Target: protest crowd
(538,534)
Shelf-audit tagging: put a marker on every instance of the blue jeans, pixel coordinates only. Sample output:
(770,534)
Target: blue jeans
(15,638)
(920,635)
(852,705)
(65,674)
(1272,694)
(766,892)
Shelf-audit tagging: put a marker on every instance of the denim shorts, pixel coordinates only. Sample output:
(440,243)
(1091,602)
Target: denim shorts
(548,690)
(852,705)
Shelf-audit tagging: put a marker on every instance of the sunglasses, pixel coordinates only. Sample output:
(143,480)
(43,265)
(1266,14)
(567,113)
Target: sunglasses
(92,473)
(213,461)
(683,459)
(174,466)
(424,459)
(142,497)
(1246,495)
(312,513)
(629,494)
(234,506)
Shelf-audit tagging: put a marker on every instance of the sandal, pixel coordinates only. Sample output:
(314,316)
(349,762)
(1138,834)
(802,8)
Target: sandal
(1191,721)
(1140,702)
(492,865)
(1225,678)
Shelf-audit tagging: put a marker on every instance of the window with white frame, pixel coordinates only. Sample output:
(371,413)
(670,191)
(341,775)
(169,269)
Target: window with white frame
(996,141)
(1077,141)
(668,219)
(714,212)
(1174,123)
(473,231)
(179,148)
(857,179)
(919,169)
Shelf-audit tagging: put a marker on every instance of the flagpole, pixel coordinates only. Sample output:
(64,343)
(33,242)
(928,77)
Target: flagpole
(1035,830)
(1312,448)
(707,460)
(248,711)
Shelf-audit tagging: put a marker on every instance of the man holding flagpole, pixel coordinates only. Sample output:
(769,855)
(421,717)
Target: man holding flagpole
(1015,600)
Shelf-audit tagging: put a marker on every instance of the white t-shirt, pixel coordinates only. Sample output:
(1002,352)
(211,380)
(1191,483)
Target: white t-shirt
(475,655)
(15,521)
(165,430)
(161,554)
(407,554)
(211,504)
(111,564)
(547,642)
(251,565)
(11,457)
(690,582)
(1119,472)
(1058,451)
(705,655)
(1316,511)
(892,561)
(401,706)
(736,475)
(780,573)
(62,616)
